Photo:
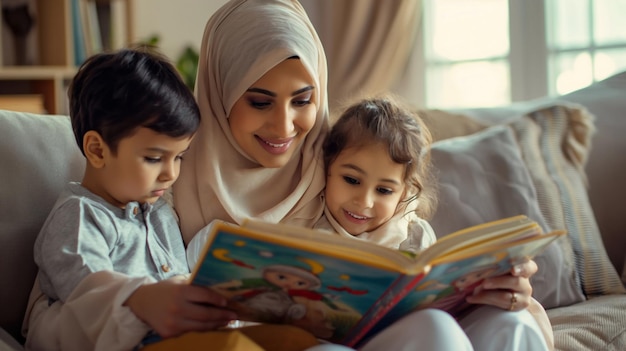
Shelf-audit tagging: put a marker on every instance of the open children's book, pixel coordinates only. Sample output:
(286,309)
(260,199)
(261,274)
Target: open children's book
(345,290)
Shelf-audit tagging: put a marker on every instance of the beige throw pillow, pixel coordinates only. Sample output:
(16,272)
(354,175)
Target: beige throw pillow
(555,142)
(482,178)
(445,125)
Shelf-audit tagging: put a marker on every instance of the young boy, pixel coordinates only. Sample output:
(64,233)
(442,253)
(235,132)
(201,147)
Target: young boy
(110,245)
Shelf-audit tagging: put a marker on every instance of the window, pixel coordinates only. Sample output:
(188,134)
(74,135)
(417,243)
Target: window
(586,42)
(493,52)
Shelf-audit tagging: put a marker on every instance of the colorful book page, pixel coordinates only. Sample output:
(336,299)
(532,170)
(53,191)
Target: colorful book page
(271,283)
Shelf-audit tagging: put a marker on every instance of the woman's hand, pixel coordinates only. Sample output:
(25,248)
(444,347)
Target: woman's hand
(172,307)
(510,291)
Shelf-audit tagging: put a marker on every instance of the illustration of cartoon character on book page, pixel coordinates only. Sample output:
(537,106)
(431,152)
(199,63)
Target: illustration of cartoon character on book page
(286,294)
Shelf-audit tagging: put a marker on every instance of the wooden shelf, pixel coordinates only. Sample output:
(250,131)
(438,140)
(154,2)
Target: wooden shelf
(55,61)
(23,102)
(48,81)
(37,72)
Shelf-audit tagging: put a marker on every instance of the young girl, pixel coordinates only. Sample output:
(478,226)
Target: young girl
(378,176)
(378,188)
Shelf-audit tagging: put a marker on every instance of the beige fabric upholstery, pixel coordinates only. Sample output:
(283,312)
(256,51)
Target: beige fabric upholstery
(596,324)
(8,343)
(445,125)
(565,132)
(606,166)
(555,142)
(38,156)
(481,178)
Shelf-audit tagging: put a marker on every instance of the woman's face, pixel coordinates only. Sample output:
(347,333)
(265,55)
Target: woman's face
(272,118)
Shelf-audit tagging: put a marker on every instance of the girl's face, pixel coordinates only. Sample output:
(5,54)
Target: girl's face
(273,117)
(364,187)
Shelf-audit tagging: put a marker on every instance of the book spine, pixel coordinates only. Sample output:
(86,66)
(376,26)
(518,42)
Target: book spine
(80,52)
(400,288)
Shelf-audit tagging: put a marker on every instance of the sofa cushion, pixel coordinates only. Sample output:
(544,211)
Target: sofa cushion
(560,140)
(595,324)
(555,142)
(8,342)
(444,125)
(605,100)
(482,178)
(38,155)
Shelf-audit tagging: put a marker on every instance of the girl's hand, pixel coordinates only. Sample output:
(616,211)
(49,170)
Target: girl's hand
(172,307)
(510,291)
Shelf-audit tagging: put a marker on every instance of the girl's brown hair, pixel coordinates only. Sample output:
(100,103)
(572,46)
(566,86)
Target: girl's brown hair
(385,120)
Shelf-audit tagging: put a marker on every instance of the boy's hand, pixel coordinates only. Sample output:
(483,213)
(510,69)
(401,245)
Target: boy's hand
(172,307)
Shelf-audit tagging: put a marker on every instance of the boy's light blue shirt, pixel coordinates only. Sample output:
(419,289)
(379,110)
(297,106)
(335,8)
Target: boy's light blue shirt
(85,234)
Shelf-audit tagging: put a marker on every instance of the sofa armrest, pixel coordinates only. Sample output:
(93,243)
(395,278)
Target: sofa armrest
(38,154)
(8,343)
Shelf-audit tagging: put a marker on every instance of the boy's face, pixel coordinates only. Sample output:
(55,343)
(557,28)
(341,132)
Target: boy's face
(364,187)
(273,117)
(145,166)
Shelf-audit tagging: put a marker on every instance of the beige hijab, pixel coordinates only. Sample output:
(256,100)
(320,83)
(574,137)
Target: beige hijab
(242,41)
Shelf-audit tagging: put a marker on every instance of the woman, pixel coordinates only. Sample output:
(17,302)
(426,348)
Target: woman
(261,89)
(223,179)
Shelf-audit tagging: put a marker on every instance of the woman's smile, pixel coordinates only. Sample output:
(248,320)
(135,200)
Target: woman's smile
(275,146)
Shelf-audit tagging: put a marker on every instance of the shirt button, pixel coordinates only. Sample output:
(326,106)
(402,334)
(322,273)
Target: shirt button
(165,268)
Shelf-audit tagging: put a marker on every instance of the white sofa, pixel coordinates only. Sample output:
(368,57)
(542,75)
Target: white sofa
(38,155)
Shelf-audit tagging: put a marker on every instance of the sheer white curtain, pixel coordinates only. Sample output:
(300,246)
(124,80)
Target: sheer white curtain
(368,44)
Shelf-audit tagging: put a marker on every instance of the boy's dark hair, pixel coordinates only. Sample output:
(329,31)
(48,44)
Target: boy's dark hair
(116,93)
(385,120)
